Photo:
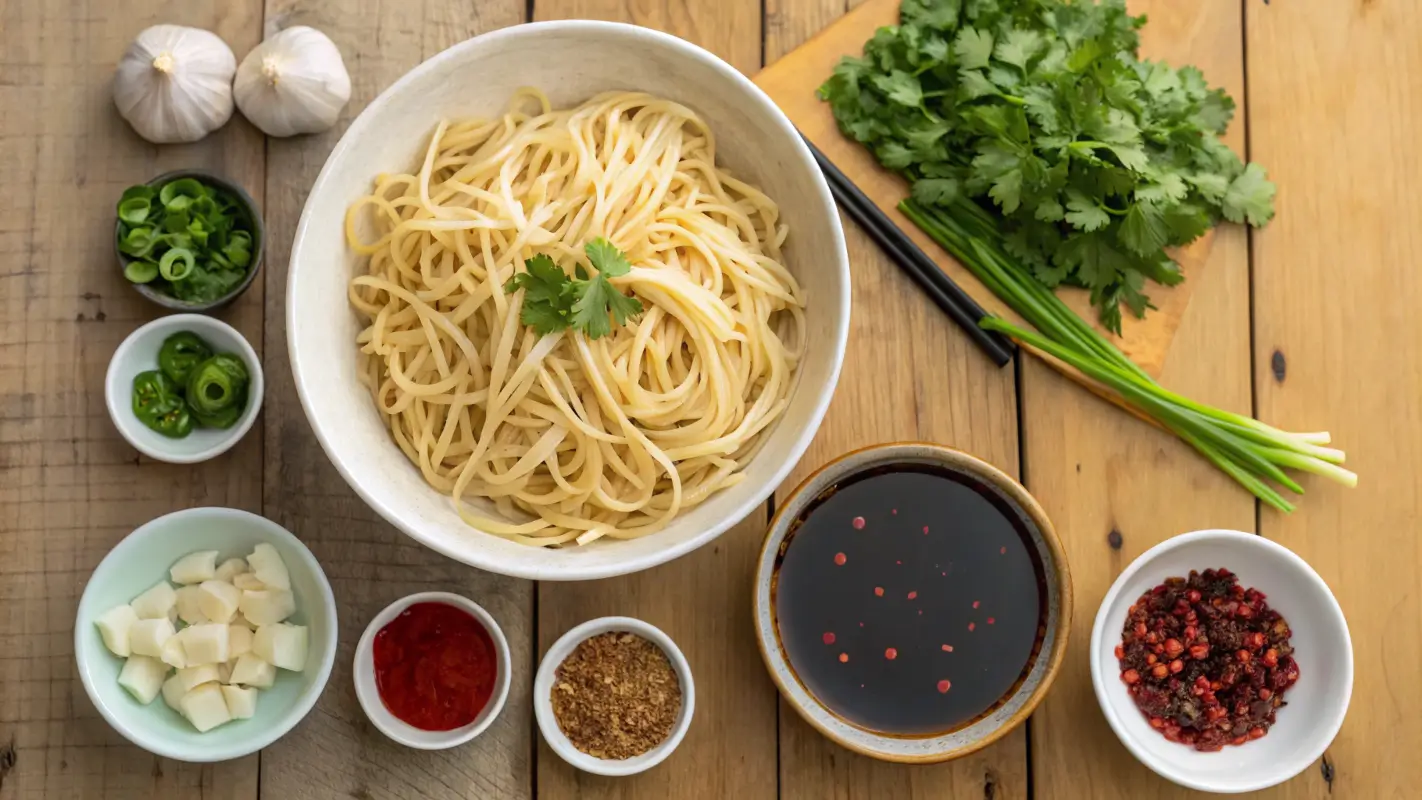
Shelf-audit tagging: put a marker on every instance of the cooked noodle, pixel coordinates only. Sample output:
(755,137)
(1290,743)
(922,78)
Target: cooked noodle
(587,438)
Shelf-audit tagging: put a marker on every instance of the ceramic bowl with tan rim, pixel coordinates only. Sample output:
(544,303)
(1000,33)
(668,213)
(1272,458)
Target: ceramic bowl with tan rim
(912,602)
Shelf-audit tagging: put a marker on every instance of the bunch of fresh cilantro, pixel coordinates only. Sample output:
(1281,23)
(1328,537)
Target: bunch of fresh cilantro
(555,301)
(1041,112)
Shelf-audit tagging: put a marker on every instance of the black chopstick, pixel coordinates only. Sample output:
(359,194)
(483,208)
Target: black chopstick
(940,288)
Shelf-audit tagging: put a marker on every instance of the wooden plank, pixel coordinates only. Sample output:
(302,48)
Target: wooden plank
(336,752)
(1334,108)
(908,374)
(1106,478)
(791,81)
(701,600)
(70,487)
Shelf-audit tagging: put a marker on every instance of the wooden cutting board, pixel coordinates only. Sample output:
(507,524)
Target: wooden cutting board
(791,82)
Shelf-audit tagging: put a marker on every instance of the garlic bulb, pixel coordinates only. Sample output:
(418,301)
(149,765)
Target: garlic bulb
(174,84)
(294,82)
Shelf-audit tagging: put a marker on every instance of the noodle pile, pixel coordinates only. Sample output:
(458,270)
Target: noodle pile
(583,438)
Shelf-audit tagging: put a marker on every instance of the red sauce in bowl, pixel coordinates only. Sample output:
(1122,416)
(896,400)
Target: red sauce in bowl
(435,666)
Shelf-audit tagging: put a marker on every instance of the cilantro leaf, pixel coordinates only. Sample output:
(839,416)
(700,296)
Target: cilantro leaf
(1018,47)
(606,258)
(1085,213)
(594,298)
(554,302)
(1251,197)
(1143,229)
(936,191)
(973,48)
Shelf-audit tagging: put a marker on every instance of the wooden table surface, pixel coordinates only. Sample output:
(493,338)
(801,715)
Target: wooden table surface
(1310,324)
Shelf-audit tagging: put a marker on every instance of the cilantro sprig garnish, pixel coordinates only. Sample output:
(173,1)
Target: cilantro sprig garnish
(554,301)
(1089,160)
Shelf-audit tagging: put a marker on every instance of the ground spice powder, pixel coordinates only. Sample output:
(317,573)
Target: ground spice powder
(616,696)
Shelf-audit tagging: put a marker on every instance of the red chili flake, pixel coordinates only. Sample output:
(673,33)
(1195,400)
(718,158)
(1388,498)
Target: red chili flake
(947,648)
(920,612)
(1002,550)
(844,658)
(878,591)
(972,625)
(912,595)
(858,523)
(945,574)
(900,563)
(894,511)
(991,620)
(976,603)
(944,686)
(891,654)
(861,624)
(925,530)
(829,638)
(839,559)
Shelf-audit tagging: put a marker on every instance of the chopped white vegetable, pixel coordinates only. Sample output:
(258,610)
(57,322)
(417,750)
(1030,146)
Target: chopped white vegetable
(205,643)
(205,707)
(146,637)
(190,605)
(268,567)
(242,622)
(154,602)
(173,653)
(268,606)
(143,677)
(114,626)
(173,613)
(241,703)
(195,567)
(248,582)
(230,569)
(173,692)
(218,600)
(252,671)
(281,645)
(239,641)
(224,672)
(192,677)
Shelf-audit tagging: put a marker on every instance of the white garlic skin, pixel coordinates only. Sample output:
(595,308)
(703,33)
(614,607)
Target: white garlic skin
(294,82)
(174,84)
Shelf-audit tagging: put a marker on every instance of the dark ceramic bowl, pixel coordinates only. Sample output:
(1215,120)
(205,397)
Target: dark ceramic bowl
(250,216)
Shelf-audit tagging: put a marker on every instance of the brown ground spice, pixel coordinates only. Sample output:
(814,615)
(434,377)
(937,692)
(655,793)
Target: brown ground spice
(616,696)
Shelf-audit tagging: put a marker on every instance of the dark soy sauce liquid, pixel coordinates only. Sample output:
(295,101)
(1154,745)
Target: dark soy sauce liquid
(881,661)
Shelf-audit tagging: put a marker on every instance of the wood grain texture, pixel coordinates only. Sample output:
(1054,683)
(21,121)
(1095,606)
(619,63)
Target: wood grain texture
(791,82)
(1099,472)
(335,752)
(70,487)
(909,373)
(702,600)
(1335,104)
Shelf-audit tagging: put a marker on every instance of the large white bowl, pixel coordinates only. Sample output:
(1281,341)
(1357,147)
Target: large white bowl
(571,61)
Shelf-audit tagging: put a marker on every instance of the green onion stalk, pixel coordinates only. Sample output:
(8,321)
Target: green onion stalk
(1251,452)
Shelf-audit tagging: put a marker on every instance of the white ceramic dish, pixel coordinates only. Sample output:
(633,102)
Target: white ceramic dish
(141,560)
(543,705)
(1324,652)
(571,61)
(401,731)
(139,353)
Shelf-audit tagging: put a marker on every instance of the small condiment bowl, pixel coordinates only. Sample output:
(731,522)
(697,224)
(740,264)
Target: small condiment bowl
(368,693)
(1042,668)
(139,352)
(1316,704)
(142,559)
(248,208)
(548,674)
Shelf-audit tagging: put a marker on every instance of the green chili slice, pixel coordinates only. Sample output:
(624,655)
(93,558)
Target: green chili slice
(234,367)
(225,418)
(157,404)
(168,268)
(141,271)
(213,388)
(180,353)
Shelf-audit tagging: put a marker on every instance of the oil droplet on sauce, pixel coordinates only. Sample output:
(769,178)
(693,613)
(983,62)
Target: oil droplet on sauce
(976,533)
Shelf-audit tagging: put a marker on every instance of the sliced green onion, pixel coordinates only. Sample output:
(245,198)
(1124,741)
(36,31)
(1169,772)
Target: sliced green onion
(166,264)
(179,194)
(140,271)
(134,210)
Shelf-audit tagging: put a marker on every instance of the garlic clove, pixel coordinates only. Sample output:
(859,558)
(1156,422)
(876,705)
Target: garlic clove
(294,82)
(174,84)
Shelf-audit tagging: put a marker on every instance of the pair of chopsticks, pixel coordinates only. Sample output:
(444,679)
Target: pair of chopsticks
(940,288)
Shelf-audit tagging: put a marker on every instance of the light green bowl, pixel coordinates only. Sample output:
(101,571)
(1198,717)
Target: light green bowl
(141,560)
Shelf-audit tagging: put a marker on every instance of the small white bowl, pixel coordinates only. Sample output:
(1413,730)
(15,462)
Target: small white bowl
(399,730)
(139,353)
(543,704)
(141,560)
(1315,705)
